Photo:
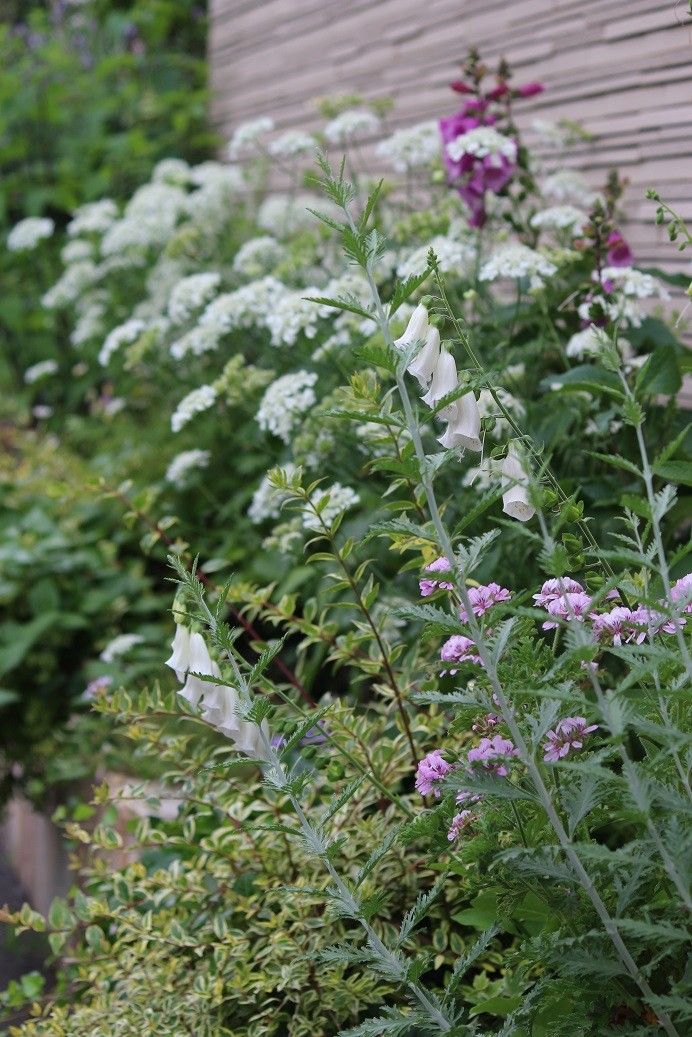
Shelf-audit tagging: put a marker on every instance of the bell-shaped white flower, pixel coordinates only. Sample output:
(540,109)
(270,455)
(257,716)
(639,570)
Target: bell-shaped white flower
(416,329)
(222,709)
(179,660)
(423,367)
(199,662)
(463,425)
(515,499)
(444,380)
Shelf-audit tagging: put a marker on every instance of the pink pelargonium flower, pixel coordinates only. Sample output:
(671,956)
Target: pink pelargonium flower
(569,734)
(431,770)
(459,649)
(493,753)
(682,591)
(553,589)
(439,565)
(571,606)
(483,598)
(460,821)
(619,253)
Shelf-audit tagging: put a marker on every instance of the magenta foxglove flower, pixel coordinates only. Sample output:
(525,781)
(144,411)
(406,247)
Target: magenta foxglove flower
(571,606)
(569,734)
(494,754)
(460,821)
(440,565)
(483,598)
(553,589)
(529,89)
(619,253)
(459,649)
(430,772)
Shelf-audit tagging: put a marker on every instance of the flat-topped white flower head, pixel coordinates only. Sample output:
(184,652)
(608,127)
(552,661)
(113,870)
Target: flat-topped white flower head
(412,147)
(560,217)
(195,402)
(248,134)
(481,142)
(517,261)
(26,234)
(356,122)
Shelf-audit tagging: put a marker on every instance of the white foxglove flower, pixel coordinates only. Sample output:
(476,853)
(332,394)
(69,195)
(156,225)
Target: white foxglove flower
(416,329)
(463,425)
(179,659)
(515,499)
(199,661)
(444,380)
(423,367)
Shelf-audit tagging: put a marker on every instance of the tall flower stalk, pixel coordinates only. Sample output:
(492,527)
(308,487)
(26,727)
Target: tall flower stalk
(365,246)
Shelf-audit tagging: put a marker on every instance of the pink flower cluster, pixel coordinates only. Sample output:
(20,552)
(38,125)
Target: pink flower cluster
(460,821)
(565,600)
(494,754)
(459,649)
(569,734)
(432,769)
(427,586)
(483,598)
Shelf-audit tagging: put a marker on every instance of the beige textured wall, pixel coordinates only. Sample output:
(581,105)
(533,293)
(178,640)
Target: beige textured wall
(623,69)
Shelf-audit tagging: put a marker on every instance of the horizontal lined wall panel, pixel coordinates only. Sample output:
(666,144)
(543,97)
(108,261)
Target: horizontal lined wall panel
(622,69)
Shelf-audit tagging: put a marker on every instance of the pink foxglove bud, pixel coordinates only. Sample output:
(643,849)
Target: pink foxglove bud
(463,425)
(444,379)
(423,367)
(515,499)
(416,329)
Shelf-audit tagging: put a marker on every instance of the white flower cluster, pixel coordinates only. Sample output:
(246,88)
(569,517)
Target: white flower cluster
(70,285)
(293,316)
(481,142)
(283,215)
(356,122)
(628,286)
(560,217)
(27,233)
(89,322)
(246,136)
(634,283)
(211,205)
(195,402)
(123,335)
(267,499)
(212,174)
(341,498)
(257,256)
(190,294)
(93,218)
(40,370)
(246,307)
(184,463)
(285,401)
(199,340)
(292,143)
(120,645)
(515,261)
(174,171)
(568,186)
(589,342)
(76,250)
(411,147)
(455,257)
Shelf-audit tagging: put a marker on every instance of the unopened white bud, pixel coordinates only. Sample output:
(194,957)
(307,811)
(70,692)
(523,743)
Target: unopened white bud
(515,499)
